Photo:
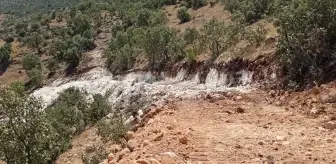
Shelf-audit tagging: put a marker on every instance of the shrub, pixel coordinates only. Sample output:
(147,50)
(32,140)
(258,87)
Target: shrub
(17,87)
(113,129)
(307,42)
(94,155)
(191,55)
(252,10)
(120,55)
(5,56)
(31,61)
(195,4)
(98,109)
(212,3)
(191,36)
(162,45)
(32,139)
(256,35)
(183,15)
(36,77)
(218,37)
(67,113)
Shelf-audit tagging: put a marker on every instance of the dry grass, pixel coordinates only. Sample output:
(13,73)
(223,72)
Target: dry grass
(15,71)
(198,17)
(242,49)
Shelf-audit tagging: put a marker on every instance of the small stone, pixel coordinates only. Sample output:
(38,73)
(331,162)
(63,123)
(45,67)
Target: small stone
(158,137)
(285,143)
(309,154)
(132,144)
(115,148)
(110,157)
(183,140)
(123,153)
(129,135)
(240,110)
(170,127)
(238,146)
(272,93)
(142,161)
(280,138)
(315,111)
(261,143)
(146,143)
(154,161)
(239,98)
(167,160)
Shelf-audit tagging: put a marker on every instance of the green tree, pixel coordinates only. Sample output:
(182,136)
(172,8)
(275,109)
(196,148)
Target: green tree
(5,55)
(31,61)
(183,15)
(99,108)
(36,77)
(162,45)
(251,10)
(195,4)
(25,134)
(80,23)
(307,42)
(67,114)
(218,36)
(33,67)
(35,40)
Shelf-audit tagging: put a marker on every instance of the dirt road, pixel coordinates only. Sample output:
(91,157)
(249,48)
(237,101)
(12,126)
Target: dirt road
(242,128)
(246,129)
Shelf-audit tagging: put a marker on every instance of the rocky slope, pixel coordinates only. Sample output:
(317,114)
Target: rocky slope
(229,128)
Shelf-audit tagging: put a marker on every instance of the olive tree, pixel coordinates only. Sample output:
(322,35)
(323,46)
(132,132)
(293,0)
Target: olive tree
(162,45)
(218,36)
(25,134)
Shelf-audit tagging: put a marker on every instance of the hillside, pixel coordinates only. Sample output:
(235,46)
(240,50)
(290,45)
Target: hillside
(26,7)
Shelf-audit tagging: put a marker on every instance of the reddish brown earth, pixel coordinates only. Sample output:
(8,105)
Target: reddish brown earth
(257,127)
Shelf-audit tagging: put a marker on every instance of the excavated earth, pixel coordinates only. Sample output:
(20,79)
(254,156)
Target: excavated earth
(229,128)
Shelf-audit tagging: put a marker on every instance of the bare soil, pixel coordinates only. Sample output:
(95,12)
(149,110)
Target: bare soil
(228,128)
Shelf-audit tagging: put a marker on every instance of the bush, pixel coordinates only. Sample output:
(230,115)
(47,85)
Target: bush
(256,35)
(212,3)
(32,66)
(32,139)
(31,61)
(252,10)
(120,55)
(99,108)
(162,46)
(183,15)
(307,43)
(94,155)
(191,36)
(5,56)
(67,114)
(113,129)
(218,37)
(36,77)
(191,55)
(195,4)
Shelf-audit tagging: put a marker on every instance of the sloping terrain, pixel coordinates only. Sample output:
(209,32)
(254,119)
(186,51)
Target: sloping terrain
(230,129)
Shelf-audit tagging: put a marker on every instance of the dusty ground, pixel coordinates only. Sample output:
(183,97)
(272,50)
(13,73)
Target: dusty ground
(225,129)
